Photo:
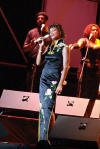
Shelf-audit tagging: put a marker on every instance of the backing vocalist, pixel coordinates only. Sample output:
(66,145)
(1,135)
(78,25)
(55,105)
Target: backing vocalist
(90,76)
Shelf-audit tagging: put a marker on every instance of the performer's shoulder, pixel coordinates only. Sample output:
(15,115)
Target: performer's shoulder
(97,41)
(33,29)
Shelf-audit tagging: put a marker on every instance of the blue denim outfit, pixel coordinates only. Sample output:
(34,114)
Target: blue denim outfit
(48,83)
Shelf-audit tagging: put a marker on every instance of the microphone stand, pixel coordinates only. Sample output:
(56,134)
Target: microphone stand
(81,73)
(91,102)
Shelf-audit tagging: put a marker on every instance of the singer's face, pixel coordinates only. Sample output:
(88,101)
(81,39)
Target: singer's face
(41,20)
(54,33)
(94,31)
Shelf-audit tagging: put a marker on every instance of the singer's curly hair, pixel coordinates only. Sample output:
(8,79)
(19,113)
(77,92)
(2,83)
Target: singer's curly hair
(88,29)
(59,27)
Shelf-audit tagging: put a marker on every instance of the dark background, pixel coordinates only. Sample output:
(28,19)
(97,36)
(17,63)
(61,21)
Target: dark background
(20,15)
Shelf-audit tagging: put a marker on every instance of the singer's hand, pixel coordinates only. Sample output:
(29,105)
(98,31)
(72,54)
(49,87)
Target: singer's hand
(41,42)
(59,89)
(71,46)
(32,42)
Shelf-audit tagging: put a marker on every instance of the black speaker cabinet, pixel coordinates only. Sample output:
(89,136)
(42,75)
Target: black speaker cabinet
(76,131)
(3,131)
(19,129)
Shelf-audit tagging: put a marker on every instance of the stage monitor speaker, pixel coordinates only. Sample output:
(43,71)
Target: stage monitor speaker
(3,131)
(73,106)
(19,129)
(77,130)
(19,100)
(6,145)
(96,110)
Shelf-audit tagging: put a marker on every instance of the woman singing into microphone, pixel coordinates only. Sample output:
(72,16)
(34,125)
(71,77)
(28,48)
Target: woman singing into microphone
(89,46)
(53,74)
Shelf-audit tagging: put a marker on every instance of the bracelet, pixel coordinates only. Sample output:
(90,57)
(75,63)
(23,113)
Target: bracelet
(40,51)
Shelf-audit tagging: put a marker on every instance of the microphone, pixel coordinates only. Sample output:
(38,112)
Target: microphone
(90,36)
(42,26)
(41,38)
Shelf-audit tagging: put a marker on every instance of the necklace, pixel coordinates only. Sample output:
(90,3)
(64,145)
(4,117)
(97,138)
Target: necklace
(51,48)
(56,45)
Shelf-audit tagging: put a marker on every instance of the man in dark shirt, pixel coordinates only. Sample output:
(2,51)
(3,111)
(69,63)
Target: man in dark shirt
(31,48)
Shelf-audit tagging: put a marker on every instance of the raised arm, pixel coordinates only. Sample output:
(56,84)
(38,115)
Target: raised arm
(84,42)
(79,44)
(39,55)
(41,51)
